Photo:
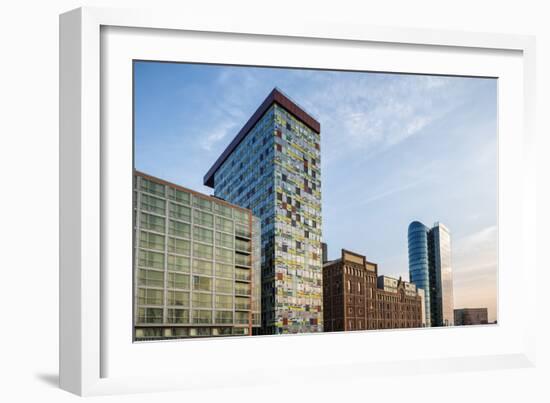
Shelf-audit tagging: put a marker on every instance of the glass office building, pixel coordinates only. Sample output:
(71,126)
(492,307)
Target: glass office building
(419,269)
(431,270)
(273,167)
(196,263)
(440,239)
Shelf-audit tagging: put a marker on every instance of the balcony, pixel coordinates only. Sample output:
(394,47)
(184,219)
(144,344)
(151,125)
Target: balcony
(242,260)
(242,291)
(242,276)
(242,232)
(242,307)
(243,246)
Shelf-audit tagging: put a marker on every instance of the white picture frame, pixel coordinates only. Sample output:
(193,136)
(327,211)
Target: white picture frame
(97,357)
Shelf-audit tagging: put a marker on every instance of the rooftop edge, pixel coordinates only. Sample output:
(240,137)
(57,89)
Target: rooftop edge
(275,96)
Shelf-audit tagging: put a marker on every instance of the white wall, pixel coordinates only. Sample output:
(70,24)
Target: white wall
(29,202)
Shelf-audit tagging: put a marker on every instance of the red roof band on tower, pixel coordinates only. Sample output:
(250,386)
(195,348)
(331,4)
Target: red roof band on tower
(274,96)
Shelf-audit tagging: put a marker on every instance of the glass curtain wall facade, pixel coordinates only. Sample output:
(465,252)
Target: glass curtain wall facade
(419,268)
(273,168)
(430,268)
(440,240)
(196,264)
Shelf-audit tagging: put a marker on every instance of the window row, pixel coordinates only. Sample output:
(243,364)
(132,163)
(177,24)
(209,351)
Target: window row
(174,315)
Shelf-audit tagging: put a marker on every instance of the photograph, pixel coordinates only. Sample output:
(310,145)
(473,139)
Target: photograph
(279,200)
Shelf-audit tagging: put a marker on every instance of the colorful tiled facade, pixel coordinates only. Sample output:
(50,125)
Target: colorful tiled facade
(273,168)
(196,264)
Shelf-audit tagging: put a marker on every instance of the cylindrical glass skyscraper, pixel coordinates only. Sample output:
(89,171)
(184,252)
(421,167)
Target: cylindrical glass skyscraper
(419,269)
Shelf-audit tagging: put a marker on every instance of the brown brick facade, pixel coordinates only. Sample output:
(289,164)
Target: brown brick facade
(352,300)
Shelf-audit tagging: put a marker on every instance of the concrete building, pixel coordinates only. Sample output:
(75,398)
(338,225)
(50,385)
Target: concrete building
(430,269)
(470,316)
(356,298)
(273,168)
(196,263)
(324,248)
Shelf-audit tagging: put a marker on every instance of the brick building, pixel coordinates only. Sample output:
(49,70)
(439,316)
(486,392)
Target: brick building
(353,299)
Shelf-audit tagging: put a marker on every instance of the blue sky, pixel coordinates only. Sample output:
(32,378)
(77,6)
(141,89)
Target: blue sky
(394,148)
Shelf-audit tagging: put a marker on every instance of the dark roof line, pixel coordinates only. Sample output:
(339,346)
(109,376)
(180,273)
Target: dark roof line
(275,96)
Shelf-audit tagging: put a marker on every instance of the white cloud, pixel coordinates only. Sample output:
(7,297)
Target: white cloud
(216,134)
(375,112)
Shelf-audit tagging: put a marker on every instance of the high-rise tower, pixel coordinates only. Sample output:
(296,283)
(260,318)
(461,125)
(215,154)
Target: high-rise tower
(273,167)
(431,270)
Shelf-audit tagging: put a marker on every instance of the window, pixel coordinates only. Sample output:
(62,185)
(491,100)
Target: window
(152,222)
(178,263)
(180,212)
(152,187)
(224,270)
(202,317)
(153,204)
(223,224)
(150,240)
(224,255)
(179,246)
(242,216)
(225,286)
(202,251)
(242,303)
(224,317)
(149,315)
(177,280)
(203,235)
(202,267)
(179,195)
(242,317)
(180,298)
(243,231)
(242,274)
(202,283)
(201,203)
(349,286)
(150,278)
(204,219)
(178,316)
(224,240)
(180,229)
(151,259)
(223,210)
(148,296)
(201,300)
(224,301)
(242,260)
(242,289)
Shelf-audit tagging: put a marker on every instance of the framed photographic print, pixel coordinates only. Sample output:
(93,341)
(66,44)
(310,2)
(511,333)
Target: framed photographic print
(242,199)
